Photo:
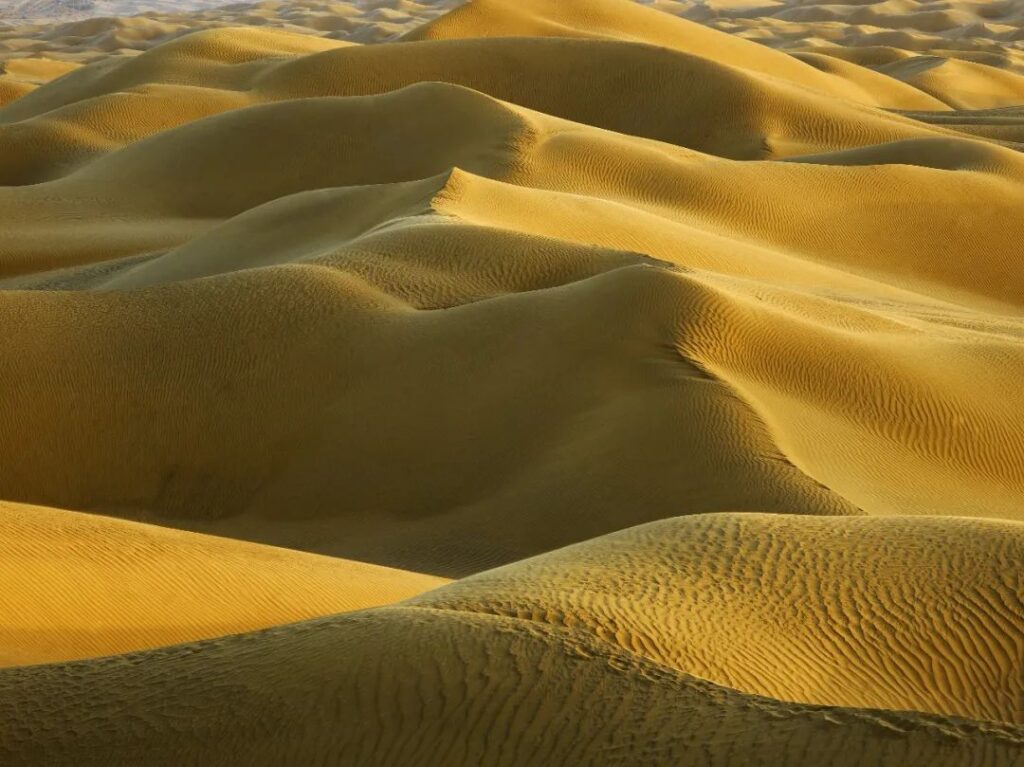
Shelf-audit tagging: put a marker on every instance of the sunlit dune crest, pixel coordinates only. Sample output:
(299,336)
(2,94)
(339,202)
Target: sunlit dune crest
(517,382)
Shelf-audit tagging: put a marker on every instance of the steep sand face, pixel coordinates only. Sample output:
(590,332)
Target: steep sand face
(499,403)
(76,586)
(514,287)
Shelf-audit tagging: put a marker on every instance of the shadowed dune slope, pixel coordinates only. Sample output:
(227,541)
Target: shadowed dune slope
(455,423)
(621,21)
(624,86)
(74,585)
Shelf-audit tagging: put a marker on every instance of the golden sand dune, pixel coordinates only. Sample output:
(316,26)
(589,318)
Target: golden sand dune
(747,295)
(842,611)
(550,662)
(501,400)
(965,53)
(74,585)
(572,282)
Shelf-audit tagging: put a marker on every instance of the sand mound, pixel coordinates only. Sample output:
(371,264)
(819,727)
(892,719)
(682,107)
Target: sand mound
(923,614)
(513,287)
(74,585)
(278,480)
(963,53)
(548,662)
(615,20)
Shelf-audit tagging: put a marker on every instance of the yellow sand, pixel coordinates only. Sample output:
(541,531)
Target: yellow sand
(924,614)
(572,658)
(705,328)
(75,585)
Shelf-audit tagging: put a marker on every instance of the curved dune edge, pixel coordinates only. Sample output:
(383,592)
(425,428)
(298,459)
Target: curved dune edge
(921,614)
(635,22)
(76,585)
(206,73)
(454,678)
(462,505)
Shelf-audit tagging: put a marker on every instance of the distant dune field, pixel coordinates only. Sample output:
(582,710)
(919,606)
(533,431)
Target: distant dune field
(522,382)
(66,10)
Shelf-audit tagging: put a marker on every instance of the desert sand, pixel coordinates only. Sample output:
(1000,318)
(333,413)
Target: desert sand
(79,585)
(518,382)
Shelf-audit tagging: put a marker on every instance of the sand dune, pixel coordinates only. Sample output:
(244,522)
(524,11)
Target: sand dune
(842,611)
(782,286)
(68,31)
(690,344)
(548,662)
(964,53)
(122,586)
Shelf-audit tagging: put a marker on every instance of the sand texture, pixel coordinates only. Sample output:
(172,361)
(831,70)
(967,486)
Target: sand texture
(75,585)
(522,382)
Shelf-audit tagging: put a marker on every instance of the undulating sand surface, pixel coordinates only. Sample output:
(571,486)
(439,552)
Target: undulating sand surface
(521,382)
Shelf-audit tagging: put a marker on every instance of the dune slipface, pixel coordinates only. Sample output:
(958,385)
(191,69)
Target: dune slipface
(687,338)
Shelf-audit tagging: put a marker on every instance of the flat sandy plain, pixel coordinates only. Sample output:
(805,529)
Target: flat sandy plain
(526,382)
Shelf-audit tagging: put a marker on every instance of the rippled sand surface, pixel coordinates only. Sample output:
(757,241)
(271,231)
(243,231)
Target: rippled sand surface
(520,382)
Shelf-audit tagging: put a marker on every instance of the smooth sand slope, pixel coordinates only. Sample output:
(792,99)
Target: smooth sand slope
(711,347)
(74,585)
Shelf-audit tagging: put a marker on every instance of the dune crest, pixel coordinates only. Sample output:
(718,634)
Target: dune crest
(848,611)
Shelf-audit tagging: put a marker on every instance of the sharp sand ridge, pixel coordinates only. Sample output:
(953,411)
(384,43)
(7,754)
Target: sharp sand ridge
(512,383)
